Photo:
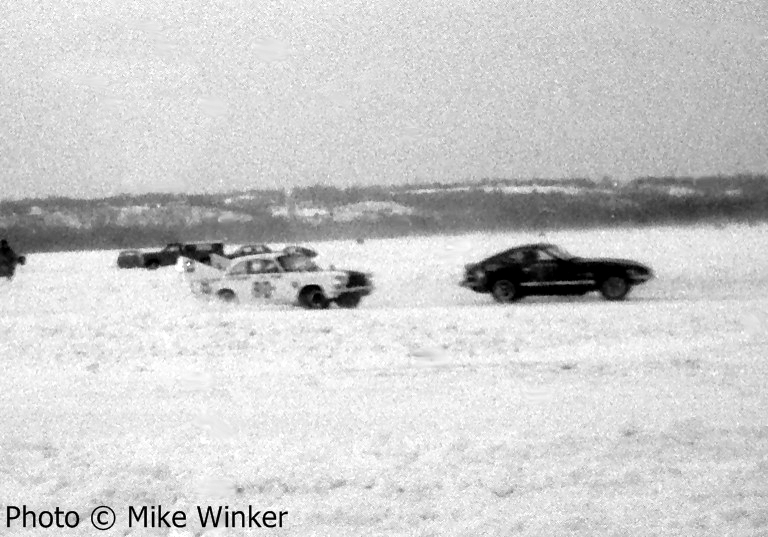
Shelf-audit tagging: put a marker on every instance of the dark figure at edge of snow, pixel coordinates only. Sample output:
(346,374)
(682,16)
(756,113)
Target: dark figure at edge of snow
(9,260)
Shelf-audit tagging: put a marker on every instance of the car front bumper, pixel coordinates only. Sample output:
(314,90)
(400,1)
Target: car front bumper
(362,290)
(474,285)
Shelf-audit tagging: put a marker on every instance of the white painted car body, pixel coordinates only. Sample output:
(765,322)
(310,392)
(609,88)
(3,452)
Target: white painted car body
(274,278)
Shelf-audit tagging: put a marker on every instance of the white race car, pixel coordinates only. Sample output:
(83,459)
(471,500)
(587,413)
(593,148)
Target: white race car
(276,278)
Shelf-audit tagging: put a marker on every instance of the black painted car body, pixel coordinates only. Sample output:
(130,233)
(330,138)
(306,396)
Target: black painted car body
(546,269)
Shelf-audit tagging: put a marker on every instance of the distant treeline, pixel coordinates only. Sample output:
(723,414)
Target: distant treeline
(437,208)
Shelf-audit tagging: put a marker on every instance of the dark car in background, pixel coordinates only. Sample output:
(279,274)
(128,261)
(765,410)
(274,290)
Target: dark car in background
(199,251)
(127,259)
(546,269)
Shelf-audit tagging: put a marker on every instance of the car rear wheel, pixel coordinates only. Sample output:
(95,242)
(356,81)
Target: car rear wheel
(349,300)
(615,288)
(505,291)
(226,295)
(153,265)
(313,298)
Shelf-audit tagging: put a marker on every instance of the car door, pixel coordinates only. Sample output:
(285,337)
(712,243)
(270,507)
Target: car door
(237,278)
(541,270)
(574,275)
(270,283)
(556,275)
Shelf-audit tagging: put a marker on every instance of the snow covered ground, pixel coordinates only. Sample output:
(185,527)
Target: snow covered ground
(429,411)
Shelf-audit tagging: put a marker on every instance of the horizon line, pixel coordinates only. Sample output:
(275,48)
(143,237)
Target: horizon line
(605,180)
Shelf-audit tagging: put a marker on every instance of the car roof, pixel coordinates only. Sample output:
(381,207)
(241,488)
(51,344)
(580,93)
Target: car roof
(195,243)
(265,255)
(254,245)
(530,246)
(535,246)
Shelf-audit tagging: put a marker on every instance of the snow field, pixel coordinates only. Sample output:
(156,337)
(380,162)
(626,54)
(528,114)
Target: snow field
(428,411)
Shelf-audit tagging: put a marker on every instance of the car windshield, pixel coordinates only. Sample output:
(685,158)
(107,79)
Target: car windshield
(298,263)
(559,252)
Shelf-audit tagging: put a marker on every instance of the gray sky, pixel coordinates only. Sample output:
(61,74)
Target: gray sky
(205,95)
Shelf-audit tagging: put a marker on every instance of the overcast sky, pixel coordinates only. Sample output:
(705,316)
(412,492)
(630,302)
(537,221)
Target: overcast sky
(98,98)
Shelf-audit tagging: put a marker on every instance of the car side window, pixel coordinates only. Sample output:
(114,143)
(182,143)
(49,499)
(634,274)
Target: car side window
(270,267)
(515,257)
(240,268)
(529,257)
(254,267)
(262,266)
(297,263)
(545,256)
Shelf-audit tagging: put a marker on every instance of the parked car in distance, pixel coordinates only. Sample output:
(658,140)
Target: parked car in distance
(199,251)
(547,269)
(278,278)
(130,259)
(300,250)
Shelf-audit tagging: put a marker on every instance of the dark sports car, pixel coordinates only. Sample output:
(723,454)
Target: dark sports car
(546,269)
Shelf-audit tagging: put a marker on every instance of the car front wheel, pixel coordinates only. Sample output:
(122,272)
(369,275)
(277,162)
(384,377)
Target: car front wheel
(505,291)
(615,288)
